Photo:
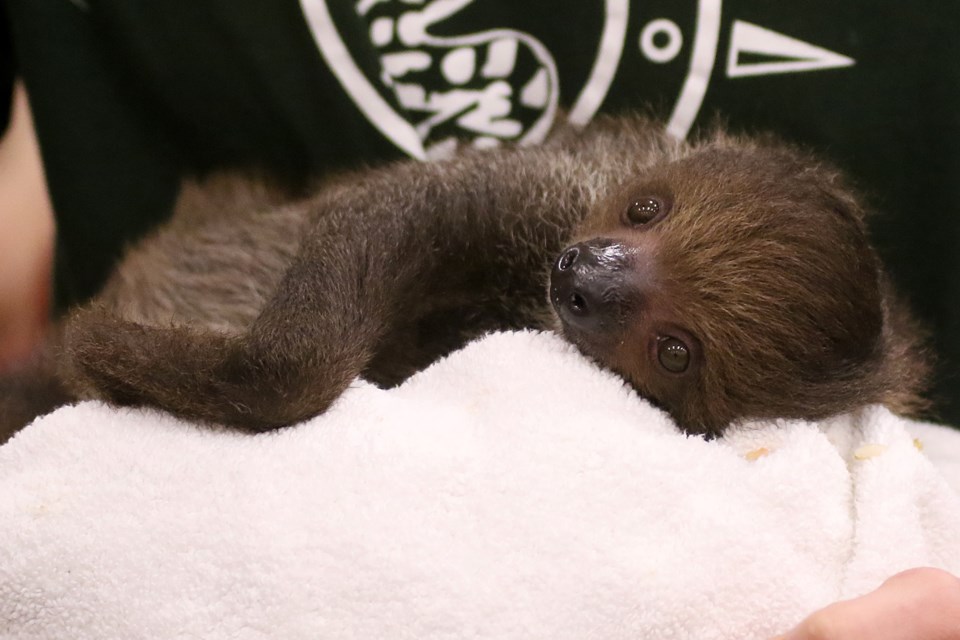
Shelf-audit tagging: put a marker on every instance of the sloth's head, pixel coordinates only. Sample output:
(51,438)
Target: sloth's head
(737,282)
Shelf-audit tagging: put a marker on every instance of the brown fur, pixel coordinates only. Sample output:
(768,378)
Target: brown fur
(256,314)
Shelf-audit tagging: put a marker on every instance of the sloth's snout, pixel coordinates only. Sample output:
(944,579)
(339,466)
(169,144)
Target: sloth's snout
(585,284)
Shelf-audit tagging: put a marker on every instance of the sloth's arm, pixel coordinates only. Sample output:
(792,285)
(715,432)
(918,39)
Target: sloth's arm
(381,246)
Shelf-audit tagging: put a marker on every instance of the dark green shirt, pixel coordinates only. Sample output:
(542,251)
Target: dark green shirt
(129,96)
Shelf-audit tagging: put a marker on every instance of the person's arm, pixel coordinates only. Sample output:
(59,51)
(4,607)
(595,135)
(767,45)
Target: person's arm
(26,236)
(919,604)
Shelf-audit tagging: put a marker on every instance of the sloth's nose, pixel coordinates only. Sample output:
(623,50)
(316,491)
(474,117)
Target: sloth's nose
(585,283)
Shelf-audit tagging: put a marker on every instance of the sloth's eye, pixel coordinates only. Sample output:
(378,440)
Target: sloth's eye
(673,354)
(645,210)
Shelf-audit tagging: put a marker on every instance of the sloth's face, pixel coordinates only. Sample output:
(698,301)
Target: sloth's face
(724,285)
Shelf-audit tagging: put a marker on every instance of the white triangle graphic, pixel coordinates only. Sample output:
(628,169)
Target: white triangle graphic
(802,56)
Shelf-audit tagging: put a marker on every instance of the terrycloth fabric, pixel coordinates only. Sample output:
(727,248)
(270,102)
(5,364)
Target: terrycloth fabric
(511,491)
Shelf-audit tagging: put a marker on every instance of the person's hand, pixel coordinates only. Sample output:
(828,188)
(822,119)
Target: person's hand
(919,604)
(26,237)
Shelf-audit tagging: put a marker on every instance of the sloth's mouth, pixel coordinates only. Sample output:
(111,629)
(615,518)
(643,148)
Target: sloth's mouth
(602,353)
(598,346)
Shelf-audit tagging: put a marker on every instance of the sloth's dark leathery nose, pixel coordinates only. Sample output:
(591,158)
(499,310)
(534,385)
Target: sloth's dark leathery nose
(578,283)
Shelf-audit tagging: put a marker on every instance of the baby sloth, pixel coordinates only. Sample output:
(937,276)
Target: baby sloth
(725,279)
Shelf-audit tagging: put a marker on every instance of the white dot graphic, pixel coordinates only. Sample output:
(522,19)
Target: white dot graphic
(661,53)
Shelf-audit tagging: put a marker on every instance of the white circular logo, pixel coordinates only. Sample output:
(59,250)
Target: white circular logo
(436,86)
(470,86)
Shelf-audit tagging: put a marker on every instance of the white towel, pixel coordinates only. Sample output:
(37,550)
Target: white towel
(512,490)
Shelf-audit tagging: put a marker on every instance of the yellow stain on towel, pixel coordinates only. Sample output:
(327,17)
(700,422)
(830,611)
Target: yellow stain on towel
(868,451)
(756,454)
(918,443)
